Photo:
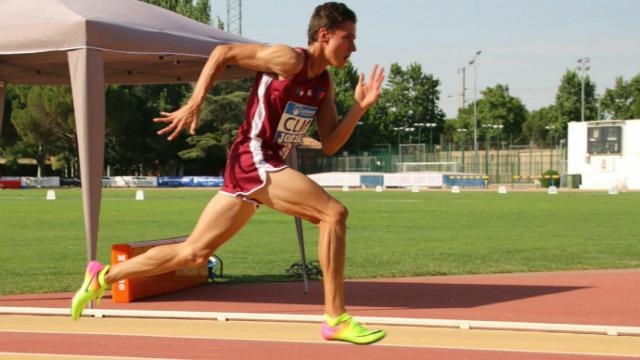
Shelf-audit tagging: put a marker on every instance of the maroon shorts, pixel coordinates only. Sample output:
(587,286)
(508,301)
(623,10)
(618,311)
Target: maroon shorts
(247,167)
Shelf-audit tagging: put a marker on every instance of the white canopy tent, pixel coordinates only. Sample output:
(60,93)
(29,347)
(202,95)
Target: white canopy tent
(90,43)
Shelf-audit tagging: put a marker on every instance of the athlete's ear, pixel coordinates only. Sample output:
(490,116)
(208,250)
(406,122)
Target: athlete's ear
(323,35)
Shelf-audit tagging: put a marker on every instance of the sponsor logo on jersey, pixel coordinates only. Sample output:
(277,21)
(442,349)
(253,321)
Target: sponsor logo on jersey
(294,123)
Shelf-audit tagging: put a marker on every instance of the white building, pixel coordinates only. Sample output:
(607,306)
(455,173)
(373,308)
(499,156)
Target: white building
(606,153)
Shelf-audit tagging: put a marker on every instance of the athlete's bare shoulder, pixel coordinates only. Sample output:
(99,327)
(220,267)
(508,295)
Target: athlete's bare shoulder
(280,60)
(285,61)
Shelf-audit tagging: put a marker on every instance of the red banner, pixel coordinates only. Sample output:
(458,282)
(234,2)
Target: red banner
(10,183)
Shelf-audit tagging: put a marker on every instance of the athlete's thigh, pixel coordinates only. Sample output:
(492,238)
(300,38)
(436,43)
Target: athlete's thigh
(221,219)
(293,193)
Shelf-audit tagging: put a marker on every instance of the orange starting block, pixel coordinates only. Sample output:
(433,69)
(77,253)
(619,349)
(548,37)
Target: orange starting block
(134,289)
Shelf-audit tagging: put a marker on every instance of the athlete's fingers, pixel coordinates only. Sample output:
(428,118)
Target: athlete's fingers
(164,119)
(192,130)
(175,133)
(167,128)
(373,73)
(168,117)
(380,78)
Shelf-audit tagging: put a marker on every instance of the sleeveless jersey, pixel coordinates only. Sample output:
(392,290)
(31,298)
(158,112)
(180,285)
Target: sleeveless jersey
(279,113)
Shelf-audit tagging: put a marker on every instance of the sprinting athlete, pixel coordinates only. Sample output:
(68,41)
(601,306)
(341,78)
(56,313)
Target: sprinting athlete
(292,89)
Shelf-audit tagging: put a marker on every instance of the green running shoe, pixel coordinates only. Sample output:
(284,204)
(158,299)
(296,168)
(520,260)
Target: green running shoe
(92,288)
(344,328)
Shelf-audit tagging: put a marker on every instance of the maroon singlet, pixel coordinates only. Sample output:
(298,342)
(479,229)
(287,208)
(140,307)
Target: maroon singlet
(279,113)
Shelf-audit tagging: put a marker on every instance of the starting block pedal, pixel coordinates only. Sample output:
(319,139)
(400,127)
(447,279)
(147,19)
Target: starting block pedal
(129,290)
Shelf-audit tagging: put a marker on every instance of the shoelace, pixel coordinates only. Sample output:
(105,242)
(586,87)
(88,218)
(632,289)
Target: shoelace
(355,325)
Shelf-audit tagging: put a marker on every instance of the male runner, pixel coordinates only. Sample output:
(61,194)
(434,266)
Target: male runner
(291,90)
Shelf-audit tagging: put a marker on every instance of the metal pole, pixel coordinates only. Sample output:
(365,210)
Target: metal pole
(475,114)
(498,159)
(582,108)
(474,62)
(464,89)
(584,67)
(303,257)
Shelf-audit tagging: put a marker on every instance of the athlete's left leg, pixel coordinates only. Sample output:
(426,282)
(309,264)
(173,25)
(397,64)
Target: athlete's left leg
(293,193)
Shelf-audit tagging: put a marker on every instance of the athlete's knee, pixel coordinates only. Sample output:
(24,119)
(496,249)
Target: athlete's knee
(336,214)
(191,256)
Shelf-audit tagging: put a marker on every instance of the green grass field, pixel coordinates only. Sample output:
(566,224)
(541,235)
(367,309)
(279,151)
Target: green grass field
(390,234)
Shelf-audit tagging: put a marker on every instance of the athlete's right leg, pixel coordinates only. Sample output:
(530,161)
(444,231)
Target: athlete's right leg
(223,217)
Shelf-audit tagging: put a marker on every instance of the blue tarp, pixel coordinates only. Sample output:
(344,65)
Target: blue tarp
(190,181)
(465,180)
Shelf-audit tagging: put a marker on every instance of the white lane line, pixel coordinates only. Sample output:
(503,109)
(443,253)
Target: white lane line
(447,323)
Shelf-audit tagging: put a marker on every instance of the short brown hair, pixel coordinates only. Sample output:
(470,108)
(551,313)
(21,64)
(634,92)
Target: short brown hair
(329,16)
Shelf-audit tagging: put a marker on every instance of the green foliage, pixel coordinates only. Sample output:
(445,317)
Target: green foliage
(569,99)
(549,177)
(344,84)
(535,128)
(8,134)
(412,97)
(496,107)
(501,108)
(44,121)
(220,117)
(623,101)
(199,11)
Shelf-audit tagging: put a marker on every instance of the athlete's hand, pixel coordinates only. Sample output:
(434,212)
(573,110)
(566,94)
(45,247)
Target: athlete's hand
(184,118)
(367,94)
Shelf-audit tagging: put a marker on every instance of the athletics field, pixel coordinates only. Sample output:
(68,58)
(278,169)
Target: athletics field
(390,234)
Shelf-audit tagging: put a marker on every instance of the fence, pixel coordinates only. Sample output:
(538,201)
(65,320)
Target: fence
(499,164)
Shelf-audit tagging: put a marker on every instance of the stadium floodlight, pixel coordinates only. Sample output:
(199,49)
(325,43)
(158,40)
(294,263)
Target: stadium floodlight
(583,67)
(474,62)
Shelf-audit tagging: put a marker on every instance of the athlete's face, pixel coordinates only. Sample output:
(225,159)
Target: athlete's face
(340,43)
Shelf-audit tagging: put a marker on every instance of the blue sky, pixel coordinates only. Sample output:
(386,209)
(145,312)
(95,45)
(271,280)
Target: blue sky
(525,44)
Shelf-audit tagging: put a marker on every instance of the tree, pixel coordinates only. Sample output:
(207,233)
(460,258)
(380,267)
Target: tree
(39,116)
(496,107)
(8,134)
(412,97)
(623,101)
(200,11)
(501,108)
(536,130)
(344,84)
(131,144)
(219,120)
(569,99)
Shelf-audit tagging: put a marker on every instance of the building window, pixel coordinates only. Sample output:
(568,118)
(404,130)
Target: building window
(604,140)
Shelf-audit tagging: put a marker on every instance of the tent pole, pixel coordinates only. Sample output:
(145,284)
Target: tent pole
(3,93)
(87,83)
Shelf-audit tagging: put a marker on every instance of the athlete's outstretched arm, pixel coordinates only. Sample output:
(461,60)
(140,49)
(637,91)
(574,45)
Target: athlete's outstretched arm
(334,134)
(280,60)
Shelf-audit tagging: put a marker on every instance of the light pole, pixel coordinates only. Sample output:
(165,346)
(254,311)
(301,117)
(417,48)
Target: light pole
(487,138)
(583,67)
(551,129)
(400,130)
(463,137)
(431,127)
(498,128)
(420,126)
(463,70)
(474,62)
